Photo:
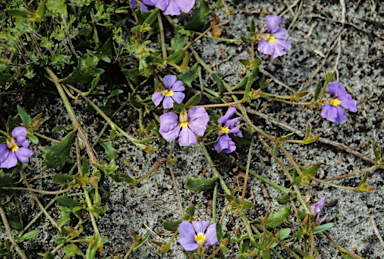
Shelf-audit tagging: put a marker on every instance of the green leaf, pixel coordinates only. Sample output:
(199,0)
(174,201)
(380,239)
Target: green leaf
(171,225)
(29,235)
(132,74)
(318,89)
(62,178)
(14,221)
(301,215)
(245,40)
(58,154)
(345,256)
(297,180)
(71,250)
(85,71)
(177,107)
(12,123)
(245,245)
(241,84)
(312,170)
(67,202)
(49,256)
(176,57)
(266,255)
(190,76)
(135,104)
(109,150)
(194,100)
(105,52)
(199,17)
(32,138)
(298,233)
(152,17)
(6,78)
(276,218)
(219,82)
(253,27)
(141,242)
(59,128)
(200,184)
(283,233)
(61,240)
(178,42)
(322,228)
(94,83)
(219,232)
(283,199)
(25,118)
(190,212)
(64,216)
(19,13)
(110,171)
(41,10)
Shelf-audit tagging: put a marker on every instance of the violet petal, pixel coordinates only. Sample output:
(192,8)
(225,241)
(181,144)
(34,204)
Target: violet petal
(178,97)
(10,162)
(172,8)
(168,102)
(178,87)
(169,80)
(168,121)
(211,236)
(186,229)
(19,133)
(188,244)
(200,226)
(187,137)
(230,112)
(23,154)
(185,5)
(157,98)
(273,22)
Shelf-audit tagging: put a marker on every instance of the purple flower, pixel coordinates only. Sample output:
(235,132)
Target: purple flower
(317,207)
(339,96)
(195,122)
(173,7)
(16,148)
(194,236)
(276,39)
(143,4)
(224,143)
(171,94)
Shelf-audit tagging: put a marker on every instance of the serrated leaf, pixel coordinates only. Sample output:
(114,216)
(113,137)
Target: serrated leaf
(322,228)
(85,71)
(276,218)
(109,150)
(219,82)
(105,52)
(58,154)
(65,201)
(200,184)
(194,100)
(62,178)
(25,118)
(171,225)
(178,42)
(71,250)
(199,16)
(64,216)
(110,171)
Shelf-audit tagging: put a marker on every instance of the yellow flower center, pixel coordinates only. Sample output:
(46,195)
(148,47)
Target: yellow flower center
(167,93)
(223,130)
(200,239)
(271,39)
(268,37)
(334,102)
(12,144)
(183,118)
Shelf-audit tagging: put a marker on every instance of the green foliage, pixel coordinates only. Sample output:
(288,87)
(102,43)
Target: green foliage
(219,82)
(86,70)
(190,76)
(195,100)
(171,225)
(109,150)
(58,154)
(276,218)
(200,184)
(322,228)
(199,17)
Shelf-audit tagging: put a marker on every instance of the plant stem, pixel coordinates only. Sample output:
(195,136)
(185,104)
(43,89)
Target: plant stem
(223,104)
(201,35)
(9,233)
(249,230)
(154,169)
(215,252)
(35,190)
(162,37)
(334,185)
(340,248)
(247,171)
(372,168)
(214,170)
(214,203)
(177,191)
(129,251)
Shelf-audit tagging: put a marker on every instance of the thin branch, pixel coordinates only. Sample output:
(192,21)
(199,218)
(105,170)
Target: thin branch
(177,191)
(247,171)
(35,190)
(375,229)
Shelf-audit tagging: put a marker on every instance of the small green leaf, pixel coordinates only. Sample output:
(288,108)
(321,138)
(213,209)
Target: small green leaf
(152,17)
(25,118)
(200,184)
(14,221)
(283,233)
(219,82)
(67,202)
(245,40)
(219,232)
(245,245)
(19,13)
(298,233)
(283,199)
(29,235)
(266,255)
(253,27)
(6,78)
(135,104)
(61,240)
(276,218)
(59,128)
(141,242)
(109,150)
(190,212)
(318,89)
(171,225)
(62,178)
(49,256)
(71,250)
(41,10)
(241,84)
(322,228)
(177,107)
(85,71)
(104,53)
(194,100)
(58,154)
(12,123)
(345,256)
(176,58)
(199,17)
(297,180)
(312,170)
(178,42)
(32,138)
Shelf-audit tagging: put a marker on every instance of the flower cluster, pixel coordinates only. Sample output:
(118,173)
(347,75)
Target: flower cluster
(338,96)
(317,208)
(171,94)
(224,143)
(197,235)
(170,7)
(16,148)
(275,41)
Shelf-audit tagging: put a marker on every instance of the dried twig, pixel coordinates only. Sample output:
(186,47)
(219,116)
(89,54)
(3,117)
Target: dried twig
(276,80)
(375,229)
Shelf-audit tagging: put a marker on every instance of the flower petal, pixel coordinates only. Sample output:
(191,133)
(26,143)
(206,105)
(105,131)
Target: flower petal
(178,87)
(4,152)
(186,229)
(198,126)
(143,7)
(161,4)
(321,219)
(19,133)
(211,236)
(172,8)
(273,22)
(265,47)
(178,97)
(187,137)
(329,112)
(185,5)
(168,102)
(148,2)
(335,89)
(168,121)
(341,117)
(188,244)
(10,161)
(23,154)
(225,144)
(169,80)
(200,226)
(236,131)
(231,123)
(198,112)
(171,134)
(230,112)
(348,103)
(157,98)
